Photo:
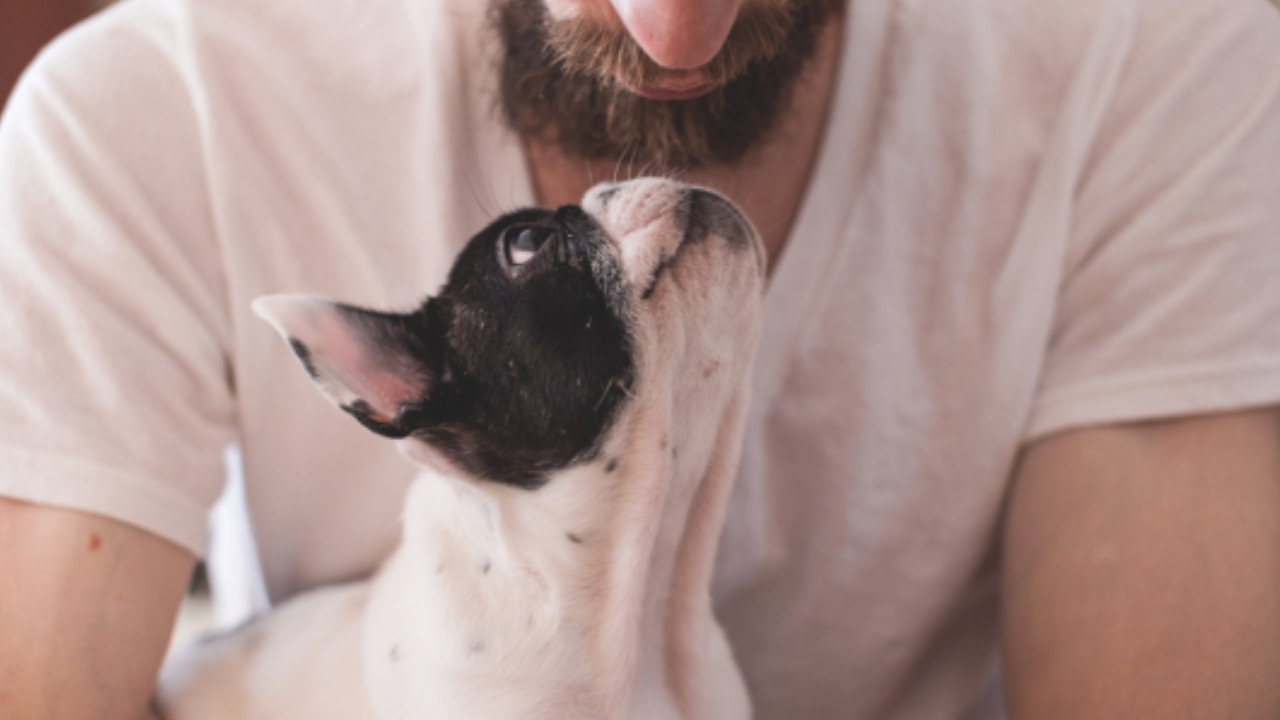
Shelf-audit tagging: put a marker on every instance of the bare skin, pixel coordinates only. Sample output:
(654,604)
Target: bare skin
(1141,568)
(84,636)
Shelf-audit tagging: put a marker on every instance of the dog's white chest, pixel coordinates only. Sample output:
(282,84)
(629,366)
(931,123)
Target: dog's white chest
(472,595)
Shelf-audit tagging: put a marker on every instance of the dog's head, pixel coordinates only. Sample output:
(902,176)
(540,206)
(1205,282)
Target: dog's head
(550,322)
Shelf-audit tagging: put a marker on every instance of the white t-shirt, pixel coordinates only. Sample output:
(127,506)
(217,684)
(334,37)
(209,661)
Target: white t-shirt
(1027,215)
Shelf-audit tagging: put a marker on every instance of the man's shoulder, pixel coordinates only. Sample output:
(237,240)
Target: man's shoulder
(1034,52)
(1056,25)
(1003,50)
(1049,24)
(130,43)
(1054,16)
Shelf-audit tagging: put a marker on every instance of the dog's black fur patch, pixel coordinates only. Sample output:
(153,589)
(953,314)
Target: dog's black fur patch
(525,366)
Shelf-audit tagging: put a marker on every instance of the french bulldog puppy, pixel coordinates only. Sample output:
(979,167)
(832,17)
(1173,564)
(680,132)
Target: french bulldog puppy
(576,397)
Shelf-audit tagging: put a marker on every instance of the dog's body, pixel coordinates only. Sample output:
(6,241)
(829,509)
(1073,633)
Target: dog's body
(576,395)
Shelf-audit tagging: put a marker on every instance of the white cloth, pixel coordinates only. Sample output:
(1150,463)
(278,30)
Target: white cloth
(1028,215)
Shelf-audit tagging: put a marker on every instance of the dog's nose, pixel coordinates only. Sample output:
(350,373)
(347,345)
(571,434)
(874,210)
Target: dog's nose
(705,212)
(709,213)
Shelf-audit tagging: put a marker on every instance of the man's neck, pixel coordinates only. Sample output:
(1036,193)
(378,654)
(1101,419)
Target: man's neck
(768,184)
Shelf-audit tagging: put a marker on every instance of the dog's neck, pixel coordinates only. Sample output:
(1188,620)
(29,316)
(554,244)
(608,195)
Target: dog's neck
(588,596)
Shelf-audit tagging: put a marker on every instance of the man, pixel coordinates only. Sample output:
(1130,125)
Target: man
(1021,352)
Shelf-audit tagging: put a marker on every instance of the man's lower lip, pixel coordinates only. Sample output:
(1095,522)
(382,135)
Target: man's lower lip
(657,92)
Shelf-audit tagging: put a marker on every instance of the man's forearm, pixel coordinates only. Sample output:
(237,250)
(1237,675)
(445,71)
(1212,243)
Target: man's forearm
(86,613)
(1142,573)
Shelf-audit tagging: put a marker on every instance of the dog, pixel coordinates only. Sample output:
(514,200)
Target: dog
(575,396)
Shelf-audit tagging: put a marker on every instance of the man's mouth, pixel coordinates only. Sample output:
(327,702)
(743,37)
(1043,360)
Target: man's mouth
(677,86)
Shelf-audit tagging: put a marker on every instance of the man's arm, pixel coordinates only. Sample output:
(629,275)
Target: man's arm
(85,615)
(1142,572)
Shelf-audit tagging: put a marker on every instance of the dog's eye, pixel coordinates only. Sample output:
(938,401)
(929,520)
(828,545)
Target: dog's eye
(522,242)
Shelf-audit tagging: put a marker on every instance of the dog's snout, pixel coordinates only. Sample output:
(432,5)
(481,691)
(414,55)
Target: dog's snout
(652,220)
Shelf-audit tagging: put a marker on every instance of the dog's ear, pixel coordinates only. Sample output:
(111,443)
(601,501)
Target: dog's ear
(372,365)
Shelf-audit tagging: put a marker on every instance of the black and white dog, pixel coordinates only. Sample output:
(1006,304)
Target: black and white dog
(576,396)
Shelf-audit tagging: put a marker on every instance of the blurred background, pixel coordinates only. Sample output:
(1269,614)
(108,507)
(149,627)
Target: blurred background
(25,27)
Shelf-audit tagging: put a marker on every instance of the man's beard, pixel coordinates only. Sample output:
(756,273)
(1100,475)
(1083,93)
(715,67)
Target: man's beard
(559,85)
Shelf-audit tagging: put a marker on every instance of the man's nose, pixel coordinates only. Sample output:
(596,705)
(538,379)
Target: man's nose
(679,34)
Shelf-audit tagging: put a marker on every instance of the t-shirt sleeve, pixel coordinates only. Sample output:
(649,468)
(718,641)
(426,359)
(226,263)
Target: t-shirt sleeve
(115,395)
(1170,303)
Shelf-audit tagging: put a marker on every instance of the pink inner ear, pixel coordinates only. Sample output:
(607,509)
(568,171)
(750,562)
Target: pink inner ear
(383,380)
(350,365)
